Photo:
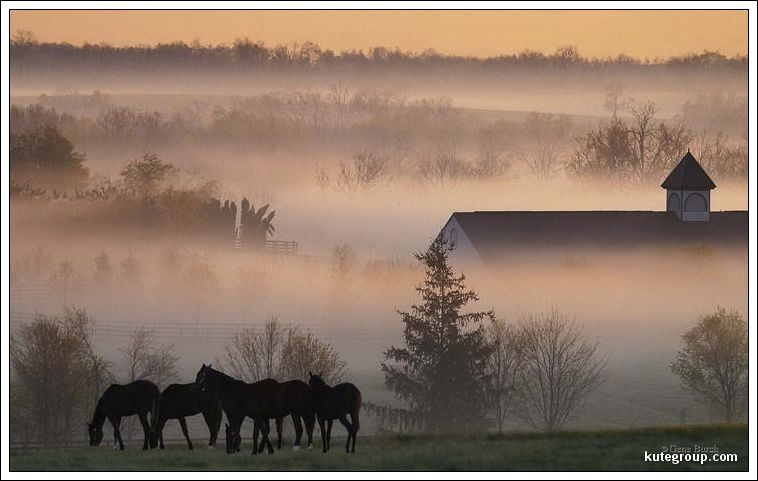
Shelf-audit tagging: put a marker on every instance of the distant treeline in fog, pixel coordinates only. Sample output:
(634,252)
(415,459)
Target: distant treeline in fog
(362,138)
(246,56)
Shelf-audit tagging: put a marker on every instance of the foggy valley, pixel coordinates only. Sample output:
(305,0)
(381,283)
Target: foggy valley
(363,158)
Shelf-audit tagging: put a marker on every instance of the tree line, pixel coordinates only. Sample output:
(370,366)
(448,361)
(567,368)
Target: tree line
(246,54)
(462,369)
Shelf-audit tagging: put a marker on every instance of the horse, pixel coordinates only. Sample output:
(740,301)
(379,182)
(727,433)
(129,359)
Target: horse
(139,397)
(290,398)
(335,403)
(181,400)
(239,399)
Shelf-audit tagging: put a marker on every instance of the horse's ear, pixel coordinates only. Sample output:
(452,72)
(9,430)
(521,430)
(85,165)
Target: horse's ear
(209,365)
(203,364)
(310,374)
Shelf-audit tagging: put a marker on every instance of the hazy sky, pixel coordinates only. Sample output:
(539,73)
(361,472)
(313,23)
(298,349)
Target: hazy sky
(482,33)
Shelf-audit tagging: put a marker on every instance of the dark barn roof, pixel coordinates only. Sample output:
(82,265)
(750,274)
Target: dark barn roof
(495,233)
(688,175)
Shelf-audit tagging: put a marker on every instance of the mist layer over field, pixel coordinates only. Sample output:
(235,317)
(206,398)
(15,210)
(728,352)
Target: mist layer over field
(444,143)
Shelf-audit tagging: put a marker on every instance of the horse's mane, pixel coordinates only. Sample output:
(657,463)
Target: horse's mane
(223,376)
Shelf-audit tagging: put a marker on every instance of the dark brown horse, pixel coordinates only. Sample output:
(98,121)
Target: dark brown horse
(139,397)
(290,398)
(238,400)
(181,400)
(335,403)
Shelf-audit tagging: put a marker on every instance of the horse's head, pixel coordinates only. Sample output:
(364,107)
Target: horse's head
(233,439)
(316,382)
(95,434)
(153,438)
(202,376)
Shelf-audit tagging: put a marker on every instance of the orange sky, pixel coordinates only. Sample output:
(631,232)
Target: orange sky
(645,34)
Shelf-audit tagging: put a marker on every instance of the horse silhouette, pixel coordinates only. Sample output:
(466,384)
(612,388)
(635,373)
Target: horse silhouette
(238,400)
(136,398)
(333,403)
(181,400)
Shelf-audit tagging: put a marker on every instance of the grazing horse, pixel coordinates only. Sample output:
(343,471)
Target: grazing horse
(139,397)
(335,403)
(181,400)
(239,399)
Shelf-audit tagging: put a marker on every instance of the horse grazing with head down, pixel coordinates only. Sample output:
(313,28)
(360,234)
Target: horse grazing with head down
(335,403)
(139,397)
(238,400)
(181,400)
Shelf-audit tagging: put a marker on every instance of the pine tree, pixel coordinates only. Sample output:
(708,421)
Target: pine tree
(441,372)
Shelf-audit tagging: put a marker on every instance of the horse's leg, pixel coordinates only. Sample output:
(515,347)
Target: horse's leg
(160,437)
(145,429)
(266,437)
(116,423)
(349,428)
(279,422)
(298,431)
(310,421)
(354,420)
(183,424)
(323,434)
(256,430)
(329,434)
(212,428)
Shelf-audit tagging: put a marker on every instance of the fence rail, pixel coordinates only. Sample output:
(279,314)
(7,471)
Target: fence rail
(279,246)
(221,331)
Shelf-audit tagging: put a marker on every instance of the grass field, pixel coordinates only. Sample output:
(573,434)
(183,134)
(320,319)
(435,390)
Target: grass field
(621,450)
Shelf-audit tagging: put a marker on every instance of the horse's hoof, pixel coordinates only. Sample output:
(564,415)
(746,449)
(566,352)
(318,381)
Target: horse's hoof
(310,447)
(211,446)
(296,447)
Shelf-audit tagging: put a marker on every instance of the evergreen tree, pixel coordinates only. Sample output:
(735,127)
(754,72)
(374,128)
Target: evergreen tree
(441,372)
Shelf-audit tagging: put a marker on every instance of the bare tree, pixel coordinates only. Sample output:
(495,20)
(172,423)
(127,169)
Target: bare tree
(66,280)
(544,135)
(303,352)
(56,376)
(364,170)
(145,361)
(503,369)
(281,353)
(655,145)
(344,261)
(713,364)
(253,354)
(560,368)
(443,165)
(340,97)
(491,162)
(613,99)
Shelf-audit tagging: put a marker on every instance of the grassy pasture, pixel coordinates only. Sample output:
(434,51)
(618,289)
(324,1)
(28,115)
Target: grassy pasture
(611,450)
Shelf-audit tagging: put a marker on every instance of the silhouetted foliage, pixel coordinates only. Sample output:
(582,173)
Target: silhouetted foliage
(441,371)
(56,377)
(43,158)
(142,178)
(713,363)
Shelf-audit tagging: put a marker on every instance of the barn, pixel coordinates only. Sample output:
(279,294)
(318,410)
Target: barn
(486,236)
